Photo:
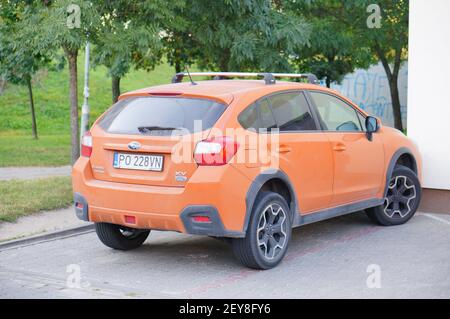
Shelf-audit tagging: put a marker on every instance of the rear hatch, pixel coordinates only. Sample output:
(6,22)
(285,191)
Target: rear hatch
(150,140)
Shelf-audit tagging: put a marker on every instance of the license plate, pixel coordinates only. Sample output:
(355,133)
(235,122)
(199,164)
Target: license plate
(138,161)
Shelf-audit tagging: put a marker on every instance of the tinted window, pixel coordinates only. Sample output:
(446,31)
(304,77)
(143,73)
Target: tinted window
(257,116)
(336,115)
(291,112)
(161,115)
(266,115)
(249,118)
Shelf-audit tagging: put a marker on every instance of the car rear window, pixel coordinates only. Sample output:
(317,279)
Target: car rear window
(161,115)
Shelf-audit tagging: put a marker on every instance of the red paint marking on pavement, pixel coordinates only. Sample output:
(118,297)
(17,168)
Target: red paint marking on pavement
(236,277)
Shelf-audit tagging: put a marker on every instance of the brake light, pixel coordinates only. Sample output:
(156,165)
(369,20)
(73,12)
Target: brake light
(215,151)
(86,144)
(165,93)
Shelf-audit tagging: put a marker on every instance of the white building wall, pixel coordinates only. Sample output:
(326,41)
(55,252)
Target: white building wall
(429,88)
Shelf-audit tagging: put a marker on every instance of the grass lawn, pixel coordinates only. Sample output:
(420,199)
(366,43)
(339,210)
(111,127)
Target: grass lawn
(51,92)
(24,197)
(23,150)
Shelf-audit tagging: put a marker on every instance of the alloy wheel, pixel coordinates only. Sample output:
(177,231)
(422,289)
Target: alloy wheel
(272,233)
(400,197)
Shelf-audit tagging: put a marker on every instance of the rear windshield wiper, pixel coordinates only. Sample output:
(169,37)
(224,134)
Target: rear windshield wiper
(146,129)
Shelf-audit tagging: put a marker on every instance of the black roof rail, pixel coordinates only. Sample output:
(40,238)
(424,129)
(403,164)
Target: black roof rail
(269,78)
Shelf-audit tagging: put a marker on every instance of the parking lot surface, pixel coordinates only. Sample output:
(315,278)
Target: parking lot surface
(346,257)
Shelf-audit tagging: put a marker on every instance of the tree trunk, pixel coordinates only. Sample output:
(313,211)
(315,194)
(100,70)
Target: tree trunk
(33,114)
(177,65)
(73,88)
(2,84)
(396,107)
(392,77)
(115,84)
(328,82)
(224,60)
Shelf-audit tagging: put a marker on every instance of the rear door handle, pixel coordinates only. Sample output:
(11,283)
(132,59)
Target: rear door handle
(339,147)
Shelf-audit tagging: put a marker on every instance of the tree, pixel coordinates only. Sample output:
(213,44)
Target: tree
(242,35)
(66,25)
(333,50)
(18,61)
(181,49)
(121,45)
(390,44)
(386,42)
(130,35)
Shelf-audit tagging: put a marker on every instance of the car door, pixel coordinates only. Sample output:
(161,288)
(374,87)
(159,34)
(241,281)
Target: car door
(358,162)
(304,152)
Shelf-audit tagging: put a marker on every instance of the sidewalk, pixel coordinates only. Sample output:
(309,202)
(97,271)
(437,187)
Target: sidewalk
(7,173)
(39,223)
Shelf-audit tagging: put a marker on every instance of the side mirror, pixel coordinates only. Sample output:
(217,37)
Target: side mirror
(371,126)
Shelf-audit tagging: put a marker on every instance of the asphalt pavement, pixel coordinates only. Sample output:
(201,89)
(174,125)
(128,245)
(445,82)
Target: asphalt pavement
(346,257)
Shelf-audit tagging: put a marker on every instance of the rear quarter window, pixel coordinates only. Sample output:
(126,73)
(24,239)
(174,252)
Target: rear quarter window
(161,115)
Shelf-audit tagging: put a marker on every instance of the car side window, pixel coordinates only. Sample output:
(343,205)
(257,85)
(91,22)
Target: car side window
(249,118)
(291,112)
(266,116)
(257,116)
(336,115)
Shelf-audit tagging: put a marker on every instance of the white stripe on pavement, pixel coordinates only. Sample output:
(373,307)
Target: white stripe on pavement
(442,220)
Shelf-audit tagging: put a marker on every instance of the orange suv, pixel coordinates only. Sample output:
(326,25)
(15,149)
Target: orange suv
(245,160)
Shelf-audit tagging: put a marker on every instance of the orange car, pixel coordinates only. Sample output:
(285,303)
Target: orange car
(246,160)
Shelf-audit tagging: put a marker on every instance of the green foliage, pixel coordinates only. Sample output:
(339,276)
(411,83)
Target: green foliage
(19,61)
(129,37)
(334,49)
(243,35)
(343,39)
(122,45)
(45,25)
(130,34)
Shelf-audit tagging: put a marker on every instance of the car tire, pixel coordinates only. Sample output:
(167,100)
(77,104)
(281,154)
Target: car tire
(120,237)
(401,201)
(268,233)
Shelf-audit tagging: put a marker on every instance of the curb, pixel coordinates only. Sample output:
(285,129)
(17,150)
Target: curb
(60,234)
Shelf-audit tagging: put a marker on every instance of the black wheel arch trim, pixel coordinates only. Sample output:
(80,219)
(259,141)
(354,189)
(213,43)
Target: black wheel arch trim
(390,169)
(256,186)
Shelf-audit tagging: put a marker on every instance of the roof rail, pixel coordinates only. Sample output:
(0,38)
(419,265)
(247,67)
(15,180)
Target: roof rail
(269,78)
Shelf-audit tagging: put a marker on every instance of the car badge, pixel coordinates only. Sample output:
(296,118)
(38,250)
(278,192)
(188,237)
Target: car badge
(134,145)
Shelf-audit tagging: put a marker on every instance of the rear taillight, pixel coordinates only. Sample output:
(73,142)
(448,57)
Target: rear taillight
(215,151)
(86,144)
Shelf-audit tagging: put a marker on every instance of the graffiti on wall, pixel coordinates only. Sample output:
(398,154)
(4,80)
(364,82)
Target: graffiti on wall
(370,90)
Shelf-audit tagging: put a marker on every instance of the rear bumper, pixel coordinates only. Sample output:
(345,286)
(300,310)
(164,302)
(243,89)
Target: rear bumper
(213,228)
(165,208)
